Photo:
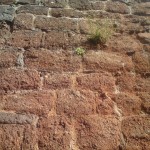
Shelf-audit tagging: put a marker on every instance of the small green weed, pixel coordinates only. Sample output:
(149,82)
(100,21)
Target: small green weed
(80,51)
(100,33)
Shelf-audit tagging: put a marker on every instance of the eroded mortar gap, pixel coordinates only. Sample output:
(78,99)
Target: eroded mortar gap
(49,12)
(20,59)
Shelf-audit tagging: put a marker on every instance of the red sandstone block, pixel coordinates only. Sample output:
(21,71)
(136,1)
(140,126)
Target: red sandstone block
(8,58)
(136,132)
(142,62)
(75,103)
(145,98)
(142,85)
(17,136)
(100,133)
(54,133)
(51,23)
(18,79)
(99,60)
(40,103)
(61,40)
(23,21)
(117,7)
(101,82)
(57,81)
(126,82)
(128,104)
(124,44)
(25,39)
(52,61)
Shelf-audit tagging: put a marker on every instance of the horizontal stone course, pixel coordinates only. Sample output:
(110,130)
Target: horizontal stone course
(100,60)
(8,58)
(52,61)
(136,132)
(37,102)
(94,132)
(12,79)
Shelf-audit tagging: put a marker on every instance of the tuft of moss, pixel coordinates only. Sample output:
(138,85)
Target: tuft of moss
(80,51)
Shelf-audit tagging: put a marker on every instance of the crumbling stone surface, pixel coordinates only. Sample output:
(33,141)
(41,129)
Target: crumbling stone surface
(54,97)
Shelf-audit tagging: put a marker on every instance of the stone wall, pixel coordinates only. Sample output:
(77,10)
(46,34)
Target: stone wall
(53,99)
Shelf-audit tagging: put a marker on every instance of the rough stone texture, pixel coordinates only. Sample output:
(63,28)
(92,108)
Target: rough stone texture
(128,104)
(55,132)
(136,132)
(116,7)
(50,23)
(40,102)
(57,61)
(97,61)
(75,103)
(18,79)
(17,136)
(23,21)
(7,13)
(54,98)
(57,81)
(95,132)
(11,118)
(102,82)
(25,39)
(8,58)
(37,10)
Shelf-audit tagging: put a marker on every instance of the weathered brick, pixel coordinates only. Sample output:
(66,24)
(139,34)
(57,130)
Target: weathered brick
(102,82)
(145,98)
(94,132)
(72,13)
(97,5)
(55,133)
(100,60)
(126,82)
(18,79)
(124,44)
(61,40)
(52,61)
(142,62)
(55,3)
(57,81)
(23,21)
(117,7)
(136,132)
(12,118)
(8,58)
(142,84)
(142,9)
(144,37)
(37,10)
(15,137)
(51,23)
(75,103)
(40,102)
(128,104)
(25,39)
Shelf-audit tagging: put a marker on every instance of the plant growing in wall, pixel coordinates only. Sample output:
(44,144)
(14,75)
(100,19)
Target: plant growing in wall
(101,32)
(80,51)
